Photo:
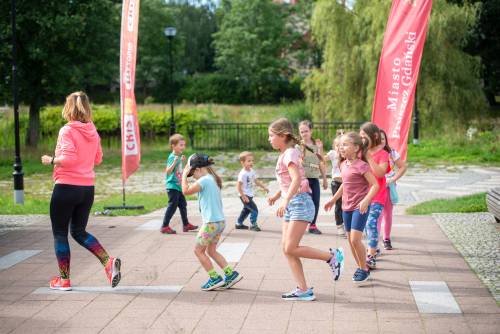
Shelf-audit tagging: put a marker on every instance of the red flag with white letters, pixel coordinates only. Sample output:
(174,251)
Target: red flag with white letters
(131,141)
(398,69)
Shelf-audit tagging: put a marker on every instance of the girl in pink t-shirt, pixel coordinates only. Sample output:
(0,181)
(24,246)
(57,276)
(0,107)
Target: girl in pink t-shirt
(297,208)
(357,190)
(378,159)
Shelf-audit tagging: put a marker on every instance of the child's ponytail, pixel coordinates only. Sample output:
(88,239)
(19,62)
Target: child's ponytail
(217,178)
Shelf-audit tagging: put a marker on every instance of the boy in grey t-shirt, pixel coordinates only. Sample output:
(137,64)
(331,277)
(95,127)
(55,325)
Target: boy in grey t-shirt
(246,181)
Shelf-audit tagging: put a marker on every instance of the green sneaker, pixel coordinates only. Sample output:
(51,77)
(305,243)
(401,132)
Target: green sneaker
(255,228)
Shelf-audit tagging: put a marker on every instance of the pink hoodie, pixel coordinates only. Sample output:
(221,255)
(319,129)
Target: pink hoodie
(78,150)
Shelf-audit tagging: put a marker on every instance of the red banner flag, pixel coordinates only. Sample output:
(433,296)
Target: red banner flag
(131,141)
(398,69)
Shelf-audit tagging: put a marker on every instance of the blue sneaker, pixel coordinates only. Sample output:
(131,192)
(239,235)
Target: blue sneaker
(300,295)
(231,280)
(212,284)
(362,277)
(356,273)
(336,263)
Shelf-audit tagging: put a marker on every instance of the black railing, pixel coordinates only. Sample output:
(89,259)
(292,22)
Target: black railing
(251,136)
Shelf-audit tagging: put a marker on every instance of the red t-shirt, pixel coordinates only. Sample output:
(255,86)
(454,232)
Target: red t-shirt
(355,186)
(380,157)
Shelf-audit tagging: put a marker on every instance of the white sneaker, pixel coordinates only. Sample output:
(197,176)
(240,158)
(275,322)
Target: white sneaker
(341,231)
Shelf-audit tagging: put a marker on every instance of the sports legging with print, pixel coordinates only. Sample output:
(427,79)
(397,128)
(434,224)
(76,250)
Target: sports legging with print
(69,210)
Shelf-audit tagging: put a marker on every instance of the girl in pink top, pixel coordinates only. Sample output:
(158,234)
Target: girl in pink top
(357,191)
(378,159)
(297,208)
(78,149)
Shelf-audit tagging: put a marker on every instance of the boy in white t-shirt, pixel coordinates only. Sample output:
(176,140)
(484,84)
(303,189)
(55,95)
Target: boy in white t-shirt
(247,178)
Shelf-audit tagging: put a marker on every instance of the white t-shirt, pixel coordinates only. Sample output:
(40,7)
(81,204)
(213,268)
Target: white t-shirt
(334,158)
(247,178)
(393,157)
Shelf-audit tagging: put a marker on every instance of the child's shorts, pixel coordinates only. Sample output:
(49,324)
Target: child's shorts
(300,207)
(210,233)
(355,220)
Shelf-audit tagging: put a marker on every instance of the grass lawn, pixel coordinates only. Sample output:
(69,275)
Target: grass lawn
(470,203)
(33,205)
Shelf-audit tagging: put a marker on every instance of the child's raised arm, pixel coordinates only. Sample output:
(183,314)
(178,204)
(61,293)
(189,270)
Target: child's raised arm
(189,189)
(171,167)
(378,169)
(374,187)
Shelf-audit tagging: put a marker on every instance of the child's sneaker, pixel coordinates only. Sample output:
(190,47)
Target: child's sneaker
(300,295)
(241,226)
(213,283)
(188,227)
(371,262)
(255,228)
(112,269)
(313,229)
(356,273)
(167,230)
(362,277)
(336,263)
(58,283)
(341,231)
(387,244)
(232,279)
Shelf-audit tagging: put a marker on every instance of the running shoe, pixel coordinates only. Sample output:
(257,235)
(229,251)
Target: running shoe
(188,227)
(356,273)
(232,279)
(371,262)
(300,295)
(341,231)
(213,283)
(58,283)
(313,229)
(167,230)
(112,269)
(241,227)
(387,244)
(362,277)
(336,262)
(255,228)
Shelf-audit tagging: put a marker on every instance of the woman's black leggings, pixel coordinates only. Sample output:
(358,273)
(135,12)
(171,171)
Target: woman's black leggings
(69,210)
(316,192)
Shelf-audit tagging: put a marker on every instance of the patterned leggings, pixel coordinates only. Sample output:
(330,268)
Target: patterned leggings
(69,210)
(371,224)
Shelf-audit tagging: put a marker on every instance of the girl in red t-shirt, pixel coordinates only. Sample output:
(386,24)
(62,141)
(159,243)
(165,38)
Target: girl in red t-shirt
(378,159)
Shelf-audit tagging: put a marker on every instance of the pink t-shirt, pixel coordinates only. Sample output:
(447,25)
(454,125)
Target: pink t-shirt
(355,185)
(291,155)
(379,157)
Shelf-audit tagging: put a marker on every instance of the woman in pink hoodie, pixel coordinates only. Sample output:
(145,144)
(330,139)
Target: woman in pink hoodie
(78,150)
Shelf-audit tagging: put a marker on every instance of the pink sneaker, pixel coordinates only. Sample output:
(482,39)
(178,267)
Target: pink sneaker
(113,271)
(58,283)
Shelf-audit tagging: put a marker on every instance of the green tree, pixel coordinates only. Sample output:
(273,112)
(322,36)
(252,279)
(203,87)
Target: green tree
(449,88)
(63,46)
(249,43)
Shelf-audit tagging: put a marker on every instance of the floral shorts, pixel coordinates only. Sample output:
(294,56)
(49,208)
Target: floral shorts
(210,233)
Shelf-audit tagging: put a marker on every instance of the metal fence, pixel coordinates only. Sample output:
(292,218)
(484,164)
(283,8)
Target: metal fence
(251,136)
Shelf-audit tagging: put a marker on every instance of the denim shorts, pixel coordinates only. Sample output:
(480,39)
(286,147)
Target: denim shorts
(300,207)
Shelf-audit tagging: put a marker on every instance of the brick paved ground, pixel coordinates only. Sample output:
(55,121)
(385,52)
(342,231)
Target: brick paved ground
(387,305)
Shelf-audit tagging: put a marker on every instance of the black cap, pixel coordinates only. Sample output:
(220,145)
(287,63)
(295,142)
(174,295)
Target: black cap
(198,160)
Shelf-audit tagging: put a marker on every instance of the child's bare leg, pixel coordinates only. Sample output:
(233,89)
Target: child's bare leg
(359,248)
(216,256)
(353,249)
(295,232)
(199,251)
(293,261)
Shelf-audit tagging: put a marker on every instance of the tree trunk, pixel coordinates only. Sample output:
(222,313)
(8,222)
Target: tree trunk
(34,125)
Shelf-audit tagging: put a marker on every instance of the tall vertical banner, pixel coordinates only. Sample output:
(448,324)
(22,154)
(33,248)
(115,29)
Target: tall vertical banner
(398,69)
(131,141)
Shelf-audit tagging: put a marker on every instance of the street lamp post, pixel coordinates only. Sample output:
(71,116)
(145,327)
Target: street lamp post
(18,167)
(415,120)
(170,32)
